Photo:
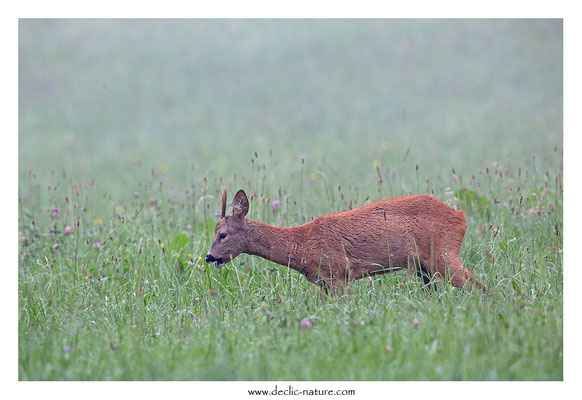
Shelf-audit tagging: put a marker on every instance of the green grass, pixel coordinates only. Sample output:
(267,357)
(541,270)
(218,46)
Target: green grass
(130,135)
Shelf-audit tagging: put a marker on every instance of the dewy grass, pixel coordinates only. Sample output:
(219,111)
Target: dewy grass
(142,306)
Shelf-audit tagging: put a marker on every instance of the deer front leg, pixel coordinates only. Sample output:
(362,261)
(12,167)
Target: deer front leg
(332,286)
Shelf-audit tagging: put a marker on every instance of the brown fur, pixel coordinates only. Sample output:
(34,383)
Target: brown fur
(416,232)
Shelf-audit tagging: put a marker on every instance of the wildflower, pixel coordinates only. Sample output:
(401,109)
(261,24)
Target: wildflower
(97,245)
(54,211)
(136,194)
(97,221)
(269,314)
(275,204)
(377,164)
(67,349)
(188,227)
(68,229)
(388,349)
(216,213)
(56,246)
(415,322)
(113,346)
(306,324)
(386,145)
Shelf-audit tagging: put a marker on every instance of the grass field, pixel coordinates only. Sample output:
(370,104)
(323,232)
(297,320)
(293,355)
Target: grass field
(130,129)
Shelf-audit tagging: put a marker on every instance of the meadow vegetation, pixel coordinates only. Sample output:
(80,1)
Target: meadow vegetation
(130,129)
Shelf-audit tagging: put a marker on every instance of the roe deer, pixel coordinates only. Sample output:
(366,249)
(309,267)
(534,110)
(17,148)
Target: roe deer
(416,232)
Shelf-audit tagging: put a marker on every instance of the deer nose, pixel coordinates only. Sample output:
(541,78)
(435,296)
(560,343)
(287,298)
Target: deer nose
(210,258)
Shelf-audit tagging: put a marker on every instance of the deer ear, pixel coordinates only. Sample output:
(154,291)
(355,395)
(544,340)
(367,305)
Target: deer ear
(240,205)
(223,202)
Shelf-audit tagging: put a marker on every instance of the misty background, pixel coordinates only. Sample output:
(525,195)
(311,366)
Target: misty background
(113,99)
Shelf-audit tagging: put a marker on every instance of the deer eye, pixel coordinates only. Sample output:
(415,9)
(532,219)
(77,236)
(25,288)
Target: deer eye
(222,235)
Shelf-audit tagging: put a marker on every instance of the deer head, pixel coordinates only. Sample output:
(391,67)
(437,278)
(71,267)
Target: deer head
(230,235)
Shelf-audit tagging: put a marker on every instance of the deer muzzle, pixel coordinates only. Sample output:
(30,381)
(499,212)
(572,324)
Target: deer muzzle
(211,259)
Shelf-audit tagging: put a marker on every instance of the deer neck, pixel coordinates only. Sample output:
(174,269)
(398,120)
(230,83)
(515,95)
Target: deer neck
(280,245)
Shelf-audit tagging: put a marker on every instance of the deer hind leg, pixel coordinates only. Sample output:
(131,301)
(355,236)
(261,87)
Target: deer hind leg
(455,272)
(450,267)
(447,265)
(453,269)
